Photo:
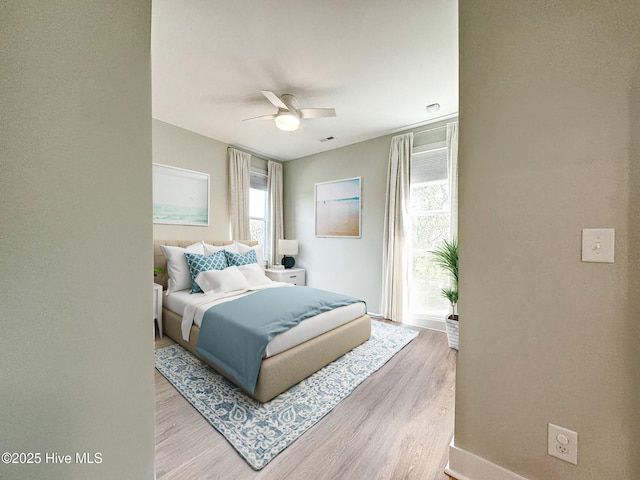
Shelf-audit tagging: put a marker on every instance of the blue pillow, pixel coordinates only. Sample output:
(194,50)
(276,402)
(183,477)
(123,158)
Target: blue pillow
(238,259)
(201,263)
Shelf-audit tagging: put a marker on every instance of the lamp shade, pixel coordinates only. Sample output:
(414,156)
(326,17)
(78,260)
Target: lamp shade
(288,247)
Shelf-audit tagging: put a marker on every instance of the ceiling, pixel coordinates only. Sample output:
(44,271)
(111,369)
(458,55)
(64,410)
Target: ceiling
(379,63)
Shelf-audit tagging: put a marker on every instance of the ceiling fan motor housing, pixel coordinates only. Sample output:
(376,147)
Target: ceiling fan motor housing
(289,101)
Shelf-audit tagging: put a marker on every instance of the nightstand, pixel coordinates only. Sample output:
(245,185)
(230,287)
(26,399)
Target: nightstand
(288,275)
(157,306)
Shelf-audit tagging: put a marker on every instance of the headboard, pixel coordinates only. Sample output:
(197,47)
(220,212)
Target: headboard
(160,261)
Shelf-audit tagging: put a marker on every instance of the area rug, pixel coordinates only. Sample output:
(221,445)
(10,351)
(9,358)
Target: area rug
(260,431)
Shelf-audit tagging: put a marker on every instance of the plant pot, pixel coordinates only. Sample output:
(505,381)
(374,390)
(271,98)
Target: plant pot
(452,331)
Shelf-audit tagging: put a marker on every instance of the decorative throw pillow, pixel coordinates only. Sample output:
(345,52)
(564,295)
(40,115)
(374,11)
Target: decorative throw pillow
(201,263)
(244,249)
(254,274)
(222,281)
(177,268)
(237,259)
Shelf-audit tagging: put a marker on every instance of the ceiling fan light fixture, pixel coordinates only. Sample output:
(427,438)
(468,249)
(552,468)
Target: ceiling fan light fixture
(287,121)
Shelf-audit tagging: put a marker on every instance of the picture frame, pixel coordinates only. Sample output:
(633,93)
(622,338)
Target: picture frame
(338,208)
(180,196)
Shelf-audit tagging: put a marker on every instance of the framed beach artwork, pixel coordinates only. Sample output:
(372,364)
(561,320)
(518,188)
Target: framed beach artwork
(180,197)
(338,208)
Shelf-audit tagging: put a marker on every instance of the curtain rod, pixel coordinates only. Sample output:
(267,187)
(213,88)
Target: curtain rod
(260,156)
(429,130)
(441,118)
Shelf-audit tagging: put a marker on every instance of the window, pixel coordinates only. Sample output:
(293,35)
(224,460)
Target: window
(430,215)
(258,206)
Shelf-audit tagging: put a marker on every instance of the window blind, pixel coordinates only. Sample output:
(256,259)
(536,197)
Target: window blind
(258,179)
(429,165)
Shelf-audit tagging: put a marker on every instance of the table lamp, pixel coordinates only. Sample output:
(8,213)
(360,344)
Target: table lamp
(288,248)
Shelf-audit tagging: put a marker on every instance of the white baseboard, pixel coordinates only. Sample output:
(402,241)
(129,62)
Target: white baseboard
(464,465)
(431,324)
(424,322)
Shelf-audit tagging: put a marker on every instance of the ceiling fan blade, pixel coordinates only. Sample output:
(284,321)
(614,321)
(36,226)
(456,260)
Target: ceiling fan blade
(317,112)
(274,99)
(261,117)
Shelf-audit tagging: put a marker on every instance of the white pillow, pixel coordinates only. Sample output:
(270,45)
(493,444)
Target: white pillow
(222,281)
(211,249)
(254,274)
(244,249)
(177,268)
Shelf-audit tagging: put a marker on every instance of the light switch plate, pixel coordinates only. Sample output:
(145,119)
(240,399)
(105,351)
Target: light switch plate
(598,244)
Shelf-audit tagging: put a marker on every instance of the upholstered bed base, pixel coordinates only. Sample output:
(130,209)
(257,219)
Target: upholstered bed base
(282,371)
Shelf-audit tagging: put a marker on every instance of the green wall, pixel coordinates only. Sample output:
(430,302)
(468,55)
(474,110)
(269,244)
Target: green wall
(348,265)
(76,353)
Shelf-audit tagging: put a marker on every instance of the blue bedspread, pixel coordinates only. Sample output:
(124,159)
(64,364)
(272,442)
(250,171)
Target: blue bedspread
(234,335)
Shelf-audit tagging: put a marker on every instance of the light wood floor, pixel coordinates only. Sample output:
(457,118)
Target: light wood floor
(396,425)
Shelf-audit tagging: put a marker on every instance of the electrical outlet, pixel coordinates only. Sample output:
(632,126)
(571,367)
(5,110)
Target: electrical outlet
(563,444)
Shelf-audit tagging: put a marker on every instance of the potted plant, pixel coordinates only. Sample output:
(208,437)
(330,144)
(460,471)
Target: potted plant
(446,257)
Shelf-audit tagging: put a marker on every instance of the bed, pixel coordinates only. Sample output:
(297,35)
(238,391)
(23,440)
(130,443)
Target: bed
(289,361)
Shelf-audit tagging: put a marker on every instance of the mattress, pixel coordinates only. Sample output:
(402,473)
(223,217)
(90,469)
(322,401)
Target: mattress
(192,307)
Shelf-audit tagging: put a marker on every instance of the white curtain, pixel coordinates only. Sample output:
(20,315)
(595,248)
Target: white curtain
(239,184)
(274,209)
(452,173)
(396,242)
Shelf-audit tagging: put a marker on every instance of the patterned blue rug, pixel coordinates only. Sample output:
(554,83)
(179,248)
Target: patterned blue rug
(259,431)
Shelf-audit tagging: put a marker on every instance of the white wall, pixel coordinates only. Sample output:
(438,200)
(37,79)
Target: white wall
(76,350)
(177,147)
(548,145)
(347,265)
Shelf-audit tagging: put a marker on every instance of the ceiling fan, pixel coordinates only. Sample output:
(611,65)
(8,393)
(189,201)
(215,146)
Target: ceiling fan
(288,116)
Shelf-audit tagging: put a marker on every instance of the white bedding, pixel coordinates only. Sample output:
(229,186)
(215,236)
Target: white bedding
(193,306)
